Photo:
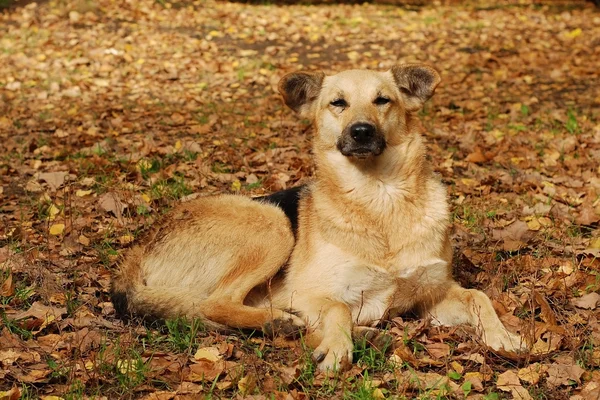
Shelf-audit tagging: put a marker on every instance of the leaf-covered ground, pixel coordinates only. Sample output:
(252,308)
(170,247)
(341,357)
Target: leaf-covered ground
(112,111)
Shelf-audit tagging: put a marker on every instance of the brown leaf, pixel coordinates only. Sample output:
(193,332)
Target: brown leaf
(588,301)
(12,394)
(39,316)
(7,288)
(53,179)
(438,350)
(563,374)
(111,202)
(513,236)
(476,380)
(587,215)
(205,370)
(476,156)
(509,382)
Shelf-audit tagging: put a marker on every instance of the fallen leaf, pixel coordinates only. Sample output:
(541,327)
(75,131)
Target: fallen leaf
(12,394)
(57,229)
(563,374)
(208,354)
(53,179)
(7,288)
(205,370)
(111,202)
(247,384)
(588,301)
(531,373)
(509,382)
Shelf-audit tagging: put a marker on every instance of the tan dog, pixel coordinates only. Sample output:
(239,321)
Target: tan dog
(368,237)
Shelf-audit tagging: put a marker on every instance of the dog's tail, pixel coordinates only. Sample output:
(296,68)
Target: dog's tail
(131,296)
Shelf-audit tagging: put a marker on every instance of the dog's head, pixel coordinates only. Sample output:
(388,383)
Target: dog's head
(360,112)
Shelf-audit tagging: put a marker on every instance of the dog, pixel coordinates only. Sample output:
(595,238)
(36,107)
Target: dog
(366,239)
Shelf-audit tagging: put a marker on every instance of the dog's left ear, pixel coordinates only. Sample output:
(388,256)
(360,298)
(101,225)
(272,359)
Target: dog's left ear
(300,89)
(416,82)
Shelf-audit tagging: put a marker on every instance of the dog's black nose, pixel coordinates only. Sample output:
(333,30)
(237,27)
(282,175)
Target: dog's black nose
(362,132)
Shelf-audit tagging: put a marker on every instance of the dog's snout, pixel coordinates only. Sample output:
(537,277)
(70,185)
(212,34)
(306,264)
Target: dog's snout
(362,132)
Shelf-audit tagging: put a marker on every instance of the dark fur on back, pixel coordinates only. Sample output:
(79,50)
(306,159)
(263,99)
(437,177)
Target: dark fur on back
(288,201)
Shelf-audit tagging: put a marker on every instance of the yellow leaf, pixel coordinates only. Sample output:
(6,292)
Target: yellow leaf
(57,229)
(545,221)
(125,239)
(84,240)
(468,182)
(378,394)
(457,367)
(574,33)
(53,211)
(146,198)
(595,243)
(236,185)
(534,225)
(207,353)
(83,193)
(178,145)
(247,384)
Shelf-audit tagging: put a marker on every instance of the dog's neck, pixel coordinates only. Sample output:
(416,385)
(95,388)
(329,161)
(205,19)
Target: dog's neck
(396,176)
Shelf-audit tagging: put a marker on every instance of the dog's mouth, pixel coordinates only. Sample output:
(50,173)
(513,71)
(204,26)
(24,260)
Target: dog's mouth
(361,151)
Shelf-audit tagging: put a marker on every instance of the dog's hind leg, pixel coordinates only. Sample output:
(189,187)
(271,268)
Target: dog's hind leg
(226,304)
(470,306)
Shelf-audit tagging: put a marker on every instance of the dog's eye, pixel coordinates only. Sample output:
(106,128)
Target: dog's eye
(339,103)
(381,100)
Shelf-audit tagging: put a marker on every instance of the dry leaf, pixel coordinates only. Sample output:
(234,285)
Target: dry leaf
(509,382)
(53,179)
(588,301)
(57,229)
(247,384)
(12,394)
(560,374)
(110,202)
(7,288)
(208,354)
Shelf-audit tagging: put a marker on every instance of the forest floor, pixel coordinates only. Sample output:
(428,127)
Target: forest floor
(113,111)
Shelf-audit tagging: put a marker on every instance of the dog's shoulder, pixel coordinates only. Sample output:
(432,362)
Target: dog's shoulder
(288,200)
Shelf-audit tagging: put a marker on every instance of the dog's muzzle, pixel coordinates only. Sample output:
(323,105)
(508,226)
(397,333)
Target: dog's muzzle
(361,140)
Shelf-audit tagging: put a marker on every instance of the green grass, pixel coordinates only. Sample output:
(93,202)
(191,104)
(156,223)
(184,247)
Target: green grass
(182,334)
(572,126)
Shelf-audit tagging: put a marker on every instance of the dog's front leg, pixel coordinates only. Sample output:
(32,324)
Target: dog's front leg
(470,306)
(332,338)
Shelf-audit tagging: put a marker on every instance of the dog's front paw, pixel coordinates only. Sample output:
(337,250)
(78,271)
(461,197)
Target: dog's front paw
(334,354)
(287,325)
(505,340)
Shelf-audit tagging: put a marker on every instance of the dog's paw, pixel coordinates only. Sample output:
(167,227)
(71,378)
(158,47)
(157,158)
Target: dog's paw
(507,341)
(287,325)
(334,354)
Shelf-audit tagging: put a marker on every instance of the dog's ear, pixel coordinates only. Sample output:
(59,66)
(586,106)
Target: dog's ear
(300,89)
(416,82)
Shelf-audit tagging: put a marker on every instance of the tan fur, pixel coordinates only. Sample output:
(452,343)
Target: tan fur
(372,240)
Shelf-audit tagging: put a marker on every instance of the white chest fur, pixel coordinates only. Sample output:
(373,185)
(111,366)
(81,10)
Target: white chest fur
(368,290)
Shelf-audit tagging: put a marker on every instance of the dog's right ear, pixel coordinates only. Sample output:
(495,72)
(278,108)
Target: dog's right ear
(417,83)
(300,89)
